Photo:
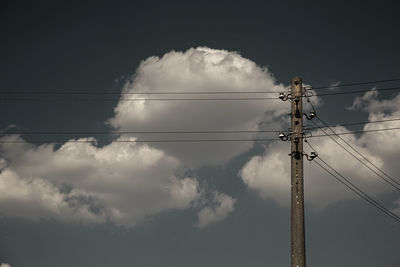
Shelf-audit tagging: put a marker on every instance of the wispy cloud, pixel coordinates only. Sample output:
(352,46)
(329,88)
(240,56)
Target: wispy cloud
(219,209)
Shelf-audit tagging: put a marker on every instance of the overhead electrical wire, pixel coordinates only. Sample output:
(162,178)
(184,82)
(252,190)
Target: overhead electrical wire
(360,123)
(25,132)
(365,197)
(358,91)
(183,99)
(353,84)
(5,95)
(390,181)
(184,132)
(357,158)
(346,182)
(359,153)
(332,171)
(144,141)
(117,92)
(354,132)
(139,132)
(196,140)
(354,149)
(139,99)
(136,92)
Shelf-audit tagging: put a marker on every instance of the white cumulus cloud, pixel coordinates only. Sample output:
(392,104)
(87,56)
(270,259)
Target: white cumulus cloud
(269,174)
(121,182)
(199,70)
(222,205)
(127,182)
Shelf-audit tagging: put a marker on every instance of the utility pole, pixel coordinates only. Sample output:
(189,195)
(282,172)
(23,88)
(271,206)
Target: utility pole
(296,136)
(298,253)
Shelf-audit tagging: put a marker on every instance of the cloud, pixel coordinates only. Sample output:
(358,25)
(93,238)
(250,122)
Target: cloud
(127,182)
(269,174)
(396,209)
(120,182)
(222,206)
(199,70)
(36,198)
(360,102)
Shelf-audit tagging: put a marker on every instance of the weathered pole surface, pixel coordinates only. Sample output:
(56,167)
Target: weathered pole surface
(298,254)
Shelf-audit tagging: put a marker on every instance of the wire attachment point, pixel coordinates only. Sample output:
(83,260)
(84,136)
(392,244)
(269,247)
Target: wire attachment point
(311,116)
(285,97)
(312,155)
(283,136)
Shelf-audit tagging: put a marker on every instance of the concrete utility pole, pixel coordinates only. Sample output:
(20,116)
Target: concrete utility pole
(297,186)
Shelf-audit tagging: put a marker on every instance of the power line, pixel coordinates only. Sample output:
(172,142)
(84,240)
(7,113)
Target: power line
(354,84)
(353,132)
(348,124)
(199,140)
(354,156)
(359,153)
(358,191)
(186,99)
(136,92)
(360,123)
(44,132)
(354,149)
(359,91)
(140,132)
(144,141)
(353,187)
(139,99)
(118,92)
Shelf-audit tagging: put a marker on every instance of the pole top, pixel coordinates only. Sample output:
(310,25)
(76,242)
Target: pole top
(296,81)
(296,85)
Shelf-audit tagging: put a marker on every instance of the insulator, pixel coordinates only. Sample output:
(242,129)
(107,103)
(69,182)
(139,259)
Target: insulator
(313,155)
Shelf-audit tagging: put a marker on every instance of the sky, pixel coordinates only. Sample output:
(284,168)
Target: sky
(91,199)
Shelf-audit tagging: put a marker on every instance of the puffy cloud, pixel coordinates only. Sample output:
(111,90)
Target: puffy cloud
(384,144)
(126,182)
(269,174)
(121,182)
(199,70)
(222,206)
(36,198)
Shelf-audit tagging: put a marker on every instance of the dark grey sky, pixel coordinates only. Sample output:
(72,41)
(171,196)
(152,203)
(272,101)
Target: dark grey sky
(95,45)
